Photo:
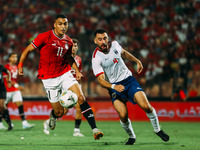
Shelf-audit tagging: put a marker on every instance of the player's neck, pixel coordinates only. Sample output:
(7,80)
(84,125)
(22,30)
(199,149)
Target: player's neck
(12,64)
(59,35)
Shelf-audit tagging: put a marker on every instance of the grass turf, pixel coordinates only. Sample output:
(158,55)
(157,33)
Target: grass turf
(183,136)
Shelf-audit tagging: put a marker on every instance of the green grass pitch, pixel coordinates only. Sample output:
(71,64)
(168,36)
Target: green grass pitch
(183,136)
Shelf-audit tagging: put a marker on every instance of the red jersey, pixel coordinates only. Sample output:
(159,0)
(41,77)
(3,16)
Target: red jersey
(14,72)
(79,65)
(53,51)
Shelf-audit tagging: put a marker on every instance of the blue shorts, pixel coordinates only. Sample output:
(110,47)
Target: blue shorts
(131,87)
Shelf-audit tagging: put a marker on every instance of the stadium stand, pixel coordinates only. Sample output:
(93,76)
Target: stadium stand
(164,35)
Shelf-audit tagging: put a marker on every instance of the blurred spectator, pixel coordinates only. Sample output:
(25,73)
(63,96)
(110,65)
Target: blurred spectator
(165,35)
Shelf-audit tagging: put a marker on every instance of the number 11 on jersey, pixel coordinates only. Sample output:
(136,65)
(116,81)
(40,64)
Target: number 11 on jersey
(60,50)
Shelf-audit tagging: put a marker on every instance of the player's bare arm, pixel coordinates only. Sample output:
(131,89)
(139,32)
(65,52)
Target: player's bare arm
(23,57)
(73,64)
(8,79)
(105,84)
(126,55)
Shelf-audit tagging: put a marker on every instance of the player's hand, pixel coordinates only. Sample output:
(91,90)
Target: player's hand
(20,71)
(78,76)
(119,88)
(139,67)
(21,88)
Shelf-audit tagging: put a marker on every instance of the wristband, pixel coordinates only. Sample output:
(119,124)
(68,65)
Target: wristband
(16,85)
(20,65)
(112,86)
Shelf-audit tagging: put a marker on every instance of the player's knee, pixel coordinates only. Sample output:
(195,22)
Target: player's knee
(81,99)
(59,113)
(123,117)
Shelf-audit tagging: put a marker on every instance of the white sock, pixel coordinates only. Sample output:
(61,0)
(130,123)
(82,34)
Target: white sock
(76,130)
(154,120)
(24,122)
(128,128)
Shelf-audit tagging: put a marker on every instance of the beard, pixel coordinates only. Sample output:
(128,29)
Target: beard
(103,48)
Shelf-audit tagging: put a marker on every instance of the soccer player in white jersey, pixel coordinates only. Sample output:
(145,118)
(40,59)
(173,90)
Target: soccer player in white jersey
(112,73)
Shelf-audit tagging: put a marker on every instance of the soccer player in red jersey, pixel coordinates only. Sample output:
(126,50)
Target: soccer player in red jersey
(13,92)
(3,109)
(55,49)
(78,116)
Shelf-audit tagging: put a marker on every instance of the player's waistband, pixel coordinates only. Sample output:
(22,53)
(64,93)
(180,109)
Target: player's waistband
(128,79)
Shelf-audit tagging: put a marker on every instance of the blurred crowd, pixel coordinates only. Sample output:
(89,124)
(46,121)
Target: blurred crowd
(163,34)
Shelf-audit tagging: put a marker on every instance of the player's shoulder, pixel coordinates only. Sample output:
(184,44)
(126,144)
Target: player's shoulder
(68,39)
(78,57)
(114,43)
(7,65)
(47,33)
(96,53)
(44,35)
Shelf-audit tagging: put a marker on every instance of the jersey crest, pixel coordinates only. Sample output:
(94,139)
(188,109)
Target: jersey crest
(115,51)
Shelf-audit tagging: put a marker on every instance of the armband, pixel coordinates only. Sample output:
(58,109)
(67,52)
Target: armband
(112,86)
(20,65)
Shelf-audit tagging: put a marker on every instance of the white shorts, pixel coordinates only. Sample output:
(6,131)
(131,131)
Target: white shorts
(15,96)
(55,86)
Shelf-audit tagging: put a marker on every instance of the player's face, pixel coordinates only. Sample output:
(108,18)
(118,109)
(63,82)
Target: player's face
(61,26)
(74,48)
(13,59)
(101,40)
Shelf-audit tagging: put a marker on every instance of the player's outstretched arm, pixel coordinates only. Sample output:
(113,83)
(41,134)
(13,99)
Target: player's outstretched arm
(23,57)
(125,54)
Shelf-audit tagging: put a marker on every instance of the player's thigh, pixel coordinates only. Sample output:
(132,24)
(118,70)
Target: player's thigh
(9,96)
(76,89)
(121,108)
(141,99)
(2,105)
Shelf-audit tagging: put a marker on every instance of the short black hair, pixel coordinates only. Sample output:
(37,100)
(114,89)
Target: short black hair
(60,16)
(75,40)
(99,31)
(11,54)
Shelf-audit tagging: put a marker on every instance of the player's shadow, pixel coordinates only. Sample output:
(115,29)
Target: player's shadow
(157,143)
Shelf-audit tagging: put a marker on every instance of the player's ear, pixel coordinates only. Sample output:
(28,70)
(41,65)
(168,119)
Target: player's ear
(54,24)
(95,41)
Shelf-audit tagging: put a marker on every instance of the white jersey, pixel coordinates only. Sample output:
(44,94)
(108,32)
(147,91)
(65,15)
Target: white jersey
(111,64)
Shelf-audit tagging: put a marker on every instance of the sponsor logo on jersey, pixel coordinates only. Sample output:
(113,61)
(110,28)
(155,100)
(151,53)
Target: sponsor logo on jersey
(54,44)
(115,51)
(66,46)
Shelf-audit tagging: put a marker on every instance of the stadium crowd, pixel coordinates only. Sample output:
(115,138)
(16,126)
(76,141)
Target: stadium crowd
(163,34)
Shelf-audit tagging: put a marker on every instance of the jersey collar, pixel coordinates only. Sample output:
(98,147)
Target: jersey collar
(58,36)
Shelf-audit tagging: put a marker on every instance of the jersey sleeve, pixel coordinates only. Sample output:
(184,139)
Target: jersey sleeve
(39,40)
(96,66)
(5,68)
